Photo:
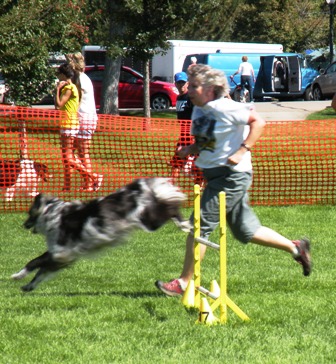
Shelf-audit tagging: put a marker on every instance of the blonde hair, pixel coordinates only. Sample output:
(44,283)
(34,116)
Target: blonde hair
(76,60)
(210,77)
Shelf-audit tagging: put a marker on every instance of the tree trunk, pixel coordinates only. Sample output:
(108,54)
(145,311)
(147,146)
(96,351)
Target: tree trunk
(147,112)
(109,101)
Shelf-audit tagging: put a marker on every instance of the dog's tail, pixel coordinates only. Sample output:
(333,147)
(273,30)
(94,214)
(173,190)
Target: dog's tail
(165,191)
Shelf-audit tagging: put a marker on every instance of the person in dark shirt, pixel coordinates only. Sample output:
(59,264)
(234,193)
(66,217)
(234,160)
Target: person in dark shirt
(184,108)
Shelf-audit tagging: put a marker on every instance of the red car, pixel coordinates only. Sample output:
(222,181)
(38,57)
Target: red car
(162,94)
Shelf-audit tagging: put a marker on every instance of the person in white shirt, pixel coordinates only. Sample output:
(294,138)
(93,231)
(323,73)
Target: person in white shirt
(225,131)
(247,76)
(87,121)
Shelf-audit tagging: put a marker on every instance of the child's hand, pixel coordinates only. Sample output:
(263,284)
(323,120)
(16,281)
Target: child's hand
(61,84)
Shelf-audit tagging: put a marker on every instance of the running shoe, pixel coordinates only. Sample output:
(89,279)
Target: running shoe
(303,256)
(172,288)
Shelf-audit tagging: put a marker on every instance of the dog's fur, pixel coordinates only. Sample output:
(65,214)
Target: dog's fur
(73,229)
(21,175)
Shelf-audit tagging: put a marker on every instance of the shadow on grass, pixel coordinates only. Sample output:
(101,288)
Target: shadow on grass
(97,294)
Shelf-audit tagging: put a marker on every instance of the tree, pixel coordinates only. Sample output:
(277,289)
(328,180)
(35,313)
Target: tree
(296,25)
(30,30)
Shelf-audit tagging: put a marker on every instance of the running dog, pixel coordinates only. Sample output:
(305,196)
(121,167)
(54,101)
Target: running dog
(21,175)
(74,229)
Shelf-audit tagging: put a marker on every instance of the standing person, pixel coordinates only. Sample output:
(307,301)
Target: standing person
(225,132)
(247,77)
(280,71)
(87,120)
(184,109)
(68,95)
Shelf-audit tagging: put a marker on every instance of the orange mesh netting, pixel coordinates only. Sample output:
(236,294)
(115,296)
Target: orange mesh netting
(294,161)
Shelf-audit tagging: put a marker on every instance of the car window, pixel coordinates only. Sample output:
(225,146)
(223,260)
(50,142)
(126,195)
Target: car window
(127,77)
(332,68)
(96,75)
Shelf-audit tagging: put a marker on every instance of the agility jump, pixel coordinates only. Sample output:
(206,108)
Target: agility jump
(217,293)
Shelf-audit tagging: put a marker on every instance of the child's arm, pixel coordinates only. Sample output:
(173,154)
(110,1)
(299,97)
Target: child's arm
(60,101)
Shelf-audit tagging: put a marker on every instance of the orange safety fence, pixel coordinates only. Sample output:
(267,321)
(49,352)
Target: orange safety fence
(294,161)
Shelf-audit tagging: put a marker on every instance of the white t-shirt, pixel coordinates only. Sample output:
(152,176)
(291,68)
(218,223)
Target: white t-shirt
(246,69)
(87,107)
(219,128)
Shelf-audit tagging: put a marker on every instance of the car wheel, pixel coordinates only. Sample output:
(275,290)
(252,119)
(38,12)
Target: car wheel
(317,93)
(160,102)
(308,96)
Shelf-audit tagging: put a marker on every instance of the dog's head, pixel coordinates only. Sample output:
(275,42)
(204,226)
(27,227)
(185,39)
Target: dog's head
(37,208)
(42,171)
(164,201)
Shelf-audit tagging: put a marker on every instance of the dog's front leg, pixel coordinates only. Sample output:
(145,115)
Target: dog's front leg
(184,225)
(32,265)
(42,275)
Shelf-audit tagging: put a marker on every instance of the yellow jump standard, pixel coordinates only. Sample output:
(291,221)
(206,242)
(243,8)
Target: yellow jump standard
(217,294)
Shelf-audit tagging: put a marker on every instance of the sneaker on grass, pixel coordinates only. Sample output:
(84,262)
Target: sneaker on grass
(303,256)
(172,288)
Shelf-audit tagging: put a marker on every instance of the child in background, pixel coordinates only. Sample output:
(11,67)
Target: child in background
(68,95)
(87,119)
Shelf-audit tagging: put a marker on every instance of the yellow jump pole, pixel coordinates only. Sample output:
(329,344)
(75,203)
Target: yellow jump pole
(197,245)
(222,257)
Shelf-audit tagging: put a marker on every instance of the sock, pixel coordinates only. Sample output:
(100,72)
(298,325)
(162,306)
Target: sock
(296,252)
(183,284)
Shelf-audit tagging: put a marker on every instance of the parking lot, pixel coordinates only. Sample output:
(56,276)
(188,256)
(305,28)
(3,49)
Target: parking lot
(289,110)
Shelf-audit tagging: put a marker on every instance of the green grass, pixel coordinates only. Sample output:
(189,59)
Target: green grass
(327,113)
(164,114)
(107,310)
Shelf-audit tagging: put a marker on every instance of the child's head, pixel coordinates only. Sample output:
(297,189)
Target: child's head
(76,60)
(67,71)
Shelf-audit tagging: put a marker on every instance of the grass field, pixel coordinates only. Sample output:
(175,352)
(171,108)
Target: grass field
(107,310)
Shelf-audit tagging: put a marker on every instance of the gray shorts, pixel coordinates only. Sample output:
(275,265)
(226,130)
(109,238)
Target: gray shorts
(240,217)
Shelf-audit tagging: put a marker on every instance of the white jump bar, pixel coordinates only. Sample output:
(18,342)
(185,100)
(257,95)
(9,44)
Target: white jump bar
(208,243)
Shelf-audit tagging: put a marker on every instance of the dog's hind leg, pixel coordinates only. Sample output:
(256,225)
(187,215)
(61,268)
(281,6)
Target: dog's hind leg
(32,265)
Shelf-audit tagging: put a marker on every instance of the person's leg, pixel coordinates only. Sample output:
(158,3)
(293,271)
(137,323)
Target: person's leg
(70,161)
(67,151)
(209,221)
(270,238)
(250,87)
(242,88)
(83,146)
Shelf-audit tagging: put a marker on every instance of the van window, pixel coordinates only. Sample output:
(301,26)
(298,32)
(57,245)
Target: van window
(201,58)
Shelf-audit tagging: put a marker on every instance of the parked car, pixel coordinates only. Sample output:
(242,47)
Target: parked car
(162,94)
(324,85)
(295,82)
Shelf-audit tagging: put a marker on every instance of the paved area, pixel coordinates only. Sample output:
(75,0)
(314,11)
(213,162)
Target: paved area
(289,110)
(278,111)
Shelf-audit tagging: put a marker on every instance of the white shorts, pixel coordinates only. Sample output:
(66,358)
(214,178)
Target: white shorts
(69,132)
(87,125)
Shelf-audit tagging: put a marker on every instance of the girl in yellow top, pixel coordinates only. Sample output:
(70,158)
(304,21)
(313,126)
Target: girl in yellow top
(68,95)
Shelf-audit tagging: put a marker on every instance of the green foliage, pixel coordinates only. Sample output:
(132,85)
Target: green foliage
(31,29)
(29,32)
(272,21)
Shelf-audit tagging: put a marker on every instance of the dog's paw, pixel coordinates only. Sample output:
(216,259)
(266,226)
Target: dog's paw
(19,275)
(183,225)
(28,287)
